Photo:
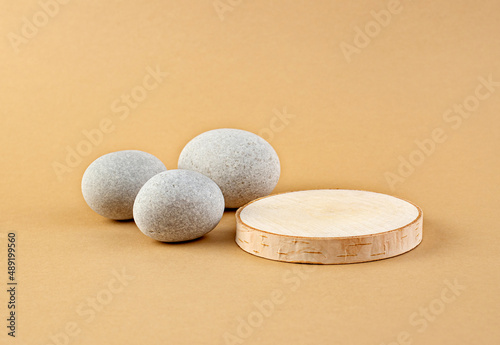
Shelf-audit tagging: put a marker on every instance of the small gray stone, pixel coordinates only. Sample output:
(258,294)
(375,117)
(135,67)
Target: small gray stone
(111,183)
(178,205)
(244,165)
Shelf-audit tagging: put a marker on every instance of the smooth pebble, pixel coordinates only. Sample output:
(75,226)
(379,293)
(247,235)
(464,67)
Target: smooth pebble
(243,165)
(178,205)
(111,183)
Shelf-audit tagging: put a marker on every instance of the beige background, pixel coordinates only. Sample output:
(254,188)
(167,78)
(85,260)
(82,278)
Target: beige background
(352,121)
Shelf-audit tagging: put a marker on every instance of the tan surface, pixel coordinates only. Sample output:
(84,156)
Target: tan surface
(351,123)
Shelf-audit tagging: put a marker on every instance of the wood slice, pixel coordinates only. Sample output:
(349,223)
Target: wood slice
(333,226)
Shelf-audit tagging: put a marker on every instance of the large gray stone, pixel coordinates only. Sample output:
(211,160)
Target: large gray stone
(244,165)
(178,205)
(111,183)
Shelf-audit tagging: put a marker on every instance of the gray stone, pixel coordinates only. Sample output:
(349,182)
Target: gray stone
(111,183)
(244,165)
(178,205)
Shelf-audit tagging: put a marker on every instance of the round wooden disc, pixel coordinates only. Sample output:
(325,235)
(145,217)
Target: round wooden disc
(333,226)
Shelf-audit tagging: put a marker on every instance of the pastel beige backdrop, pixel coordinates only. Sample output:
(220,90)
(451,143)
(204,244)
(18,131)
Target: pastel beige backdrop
(343,109)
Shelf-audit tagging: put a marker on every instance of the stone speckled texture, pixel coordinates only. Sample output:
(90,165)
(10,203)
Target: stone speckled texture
(111,183)
(244,165)
(178,205)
